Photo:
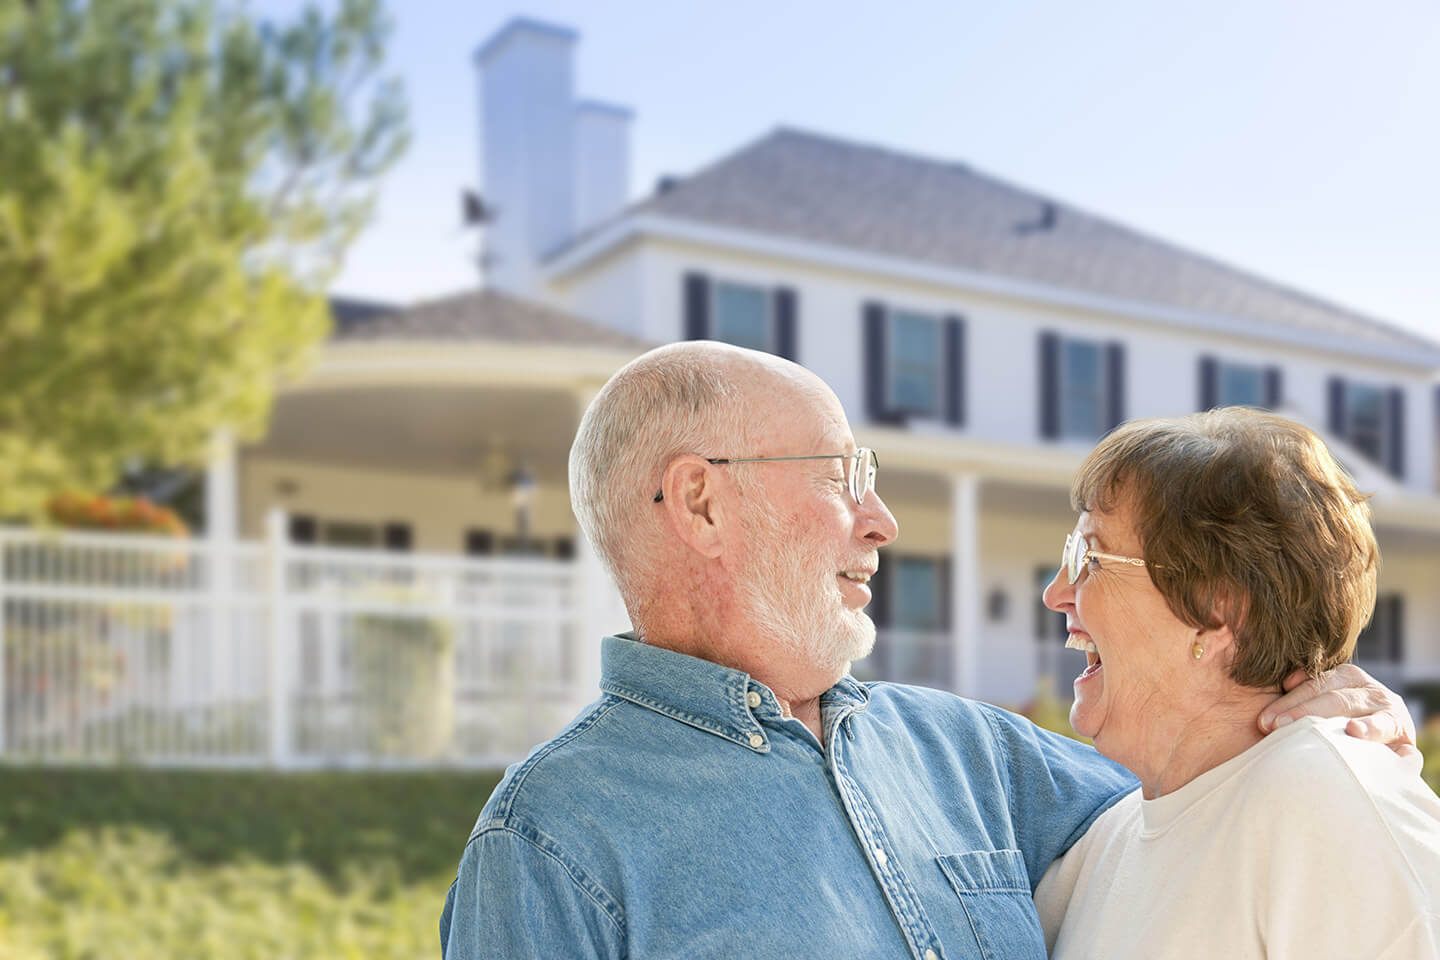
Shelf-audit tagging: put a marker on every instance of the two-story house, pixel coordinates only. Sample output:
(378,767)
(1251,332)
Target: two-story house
(980,335)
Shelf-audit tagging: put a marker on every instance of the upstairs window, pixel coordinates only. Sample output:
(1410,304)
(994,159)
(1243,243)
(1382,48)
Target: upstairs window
(745,314)
(914,365)
(1082,387)
(1370,418)
(1224,383)
(917,369)
(742,316)
(1241,385)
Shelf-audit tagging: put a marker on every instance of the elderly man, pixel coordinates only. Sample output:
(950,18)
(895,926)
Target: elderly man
(734,792)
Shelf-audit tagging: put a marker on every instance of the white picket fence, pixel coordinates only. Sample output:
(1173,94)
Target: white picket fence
(150,650)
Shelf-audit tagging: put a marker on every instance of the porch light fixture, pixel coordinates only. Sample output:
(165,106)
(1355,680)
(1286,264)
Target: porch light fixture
(522,498)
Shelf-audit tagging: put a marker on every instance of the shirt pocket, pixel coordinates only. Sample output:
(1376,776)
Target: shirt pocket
(994,888)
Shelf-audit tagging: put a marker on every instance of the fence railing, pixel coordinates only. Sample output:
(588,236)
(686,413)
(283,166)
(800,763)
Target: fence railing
(160,651)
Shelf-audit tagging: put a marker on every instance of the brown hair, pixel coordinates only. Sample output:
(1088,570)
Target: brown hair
(1245,519)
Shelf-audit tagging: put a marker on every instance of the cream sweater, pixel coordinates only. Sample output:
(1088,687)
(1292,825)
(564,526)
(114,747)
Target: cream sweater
(1309,845)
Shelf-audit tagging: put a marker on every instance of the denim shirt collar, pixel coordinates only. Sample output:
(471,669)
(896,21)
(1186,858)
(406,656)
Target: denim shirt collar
(705,695)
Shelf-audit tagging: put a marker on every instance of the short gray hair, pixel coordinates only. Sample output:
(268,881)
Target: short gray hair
(676,399)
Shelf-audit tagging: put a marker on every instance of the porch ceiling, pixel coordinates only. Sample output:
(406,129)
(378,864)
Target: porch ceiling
(450,429)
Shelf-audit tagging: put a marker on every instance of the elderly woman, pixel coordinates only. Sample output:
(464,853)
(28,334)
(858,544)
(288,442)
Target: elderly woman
(1216,554)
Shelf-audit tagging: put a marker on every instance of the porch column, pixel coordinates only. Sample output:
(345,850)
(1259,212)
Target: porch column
(965,582)
(221,510)
(220,537)
(280,642)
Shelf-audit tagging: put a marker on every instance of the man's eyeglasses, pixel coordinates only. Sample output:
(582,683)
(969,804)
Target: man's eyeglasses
(861,468)
(1078,553)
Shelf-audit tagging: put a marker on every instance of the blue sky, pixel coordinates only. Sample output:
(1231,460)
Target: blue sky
(1298,140)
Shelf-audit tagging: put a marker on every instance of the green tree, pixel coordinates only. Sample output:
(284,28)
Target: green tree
(178,184)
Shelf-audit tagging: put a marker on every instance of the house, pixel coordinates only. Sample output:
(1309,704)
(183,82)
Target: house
(981,336)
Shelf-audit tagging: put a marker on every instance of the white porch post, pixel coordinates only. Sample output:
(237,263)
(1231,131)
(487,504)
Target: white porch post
(965,582)
(221,511)
(220,536)
(278,634)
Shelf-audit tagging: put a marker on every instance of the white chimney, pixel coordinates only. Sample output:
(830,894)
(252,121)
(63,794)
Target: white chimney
(527,129)
(602,161)
(550,166)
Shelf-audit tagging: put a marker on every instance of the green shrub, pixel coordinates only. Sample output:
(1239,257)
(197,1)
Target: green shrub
(120,864)
(1429,743)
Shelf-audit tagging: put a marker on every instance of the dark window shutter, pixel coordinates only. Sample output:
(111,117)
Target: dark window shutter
(942,570)
(1209,382)
(875,362)
(1395,446)
(1336,390)
(397,536)
(1049,385)
(955,370)
(1397,627)
(1274,387)
(303,529)
(785,322)
(879,608)
(697,306)
(1115,369)
(479,543)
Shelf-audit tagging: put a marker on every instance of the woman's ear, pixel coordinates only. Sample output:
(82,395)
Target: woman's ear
(693,508)
(1214,644)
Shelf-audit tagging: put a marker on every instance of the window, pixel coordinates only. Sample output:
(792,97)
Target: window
(917,372)
(1053,662)
(745,314)
(917,594)
(1365,420)
(1082,387)
(1082,390)
(742,315)
(919,648)
(1383,641)
(1241,386)
(914,365)
(1370,418)
(1227,384)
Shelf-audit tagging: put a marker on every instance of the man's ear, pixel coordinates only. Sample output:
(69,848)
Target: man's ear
(692,505)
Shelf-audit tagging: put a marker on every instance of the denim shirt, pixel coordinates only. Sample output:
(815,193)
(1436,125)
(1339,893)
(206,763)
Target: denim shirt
(683,816)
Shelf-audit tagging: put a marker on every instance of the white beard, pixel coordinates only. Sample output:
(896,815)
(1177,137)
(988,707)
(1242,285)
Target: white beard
(792,595)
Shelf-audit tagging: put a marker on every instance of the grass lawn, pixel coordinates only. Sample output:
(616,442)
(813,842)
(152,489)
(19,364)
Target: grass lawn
(119,864)
(154,865)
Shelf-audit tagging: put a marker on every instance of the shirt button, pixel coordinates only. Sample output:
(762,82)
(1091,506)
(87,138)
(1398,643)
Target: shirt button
(753,699)
(757,741)
(880,857)
(931,955)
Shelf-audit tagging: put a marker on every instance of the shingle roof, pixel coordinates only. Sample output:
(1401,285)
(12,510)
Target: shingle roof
(484,315)
(815,188)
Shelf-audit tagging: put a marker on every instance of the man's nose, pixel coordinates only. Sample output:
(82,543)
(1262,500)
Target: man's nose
(875,523)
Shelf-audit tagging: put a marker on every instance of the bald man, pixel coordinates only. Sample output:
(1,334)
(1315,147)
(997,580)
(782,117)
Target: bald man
(734,792)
